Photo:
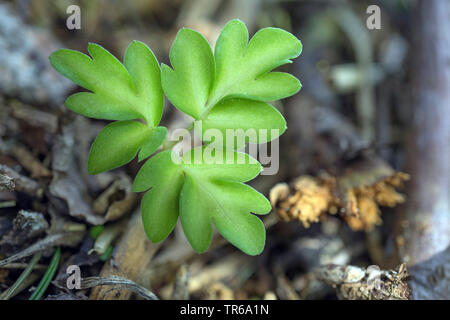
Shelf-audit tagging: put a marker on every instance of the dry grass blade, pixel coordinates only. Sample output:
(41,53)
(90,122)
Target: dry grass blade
(49,241)
(91,282)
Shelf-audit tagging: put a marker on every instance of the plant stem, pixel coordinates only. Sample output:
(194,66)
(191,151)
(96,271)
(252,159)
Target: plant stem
(170,144)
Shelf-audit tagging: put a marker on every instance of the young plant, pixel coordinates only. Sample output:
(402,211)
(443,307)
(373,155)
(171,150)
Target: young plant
(227,89)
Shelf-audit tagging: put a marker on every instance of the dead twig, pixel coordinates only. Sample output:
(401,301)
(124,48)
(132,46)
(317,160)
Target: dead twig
(30,162)
(118,283)
(19,182)
(181,285)
(68,238)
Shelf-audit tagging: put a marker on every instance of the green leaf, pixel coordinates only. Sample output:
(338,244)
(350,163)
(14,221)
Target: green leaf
(48,276)
(187,85)
(203,191)
(95,231)
(232,216)
(227,90)
(216,193)
(144,70)
(154,141)
(100,107)
(194,209)
(242,69)
(224,165)
(159,205)
(256,119)
(119,142)
(269,87)
(202,85)
(118,93)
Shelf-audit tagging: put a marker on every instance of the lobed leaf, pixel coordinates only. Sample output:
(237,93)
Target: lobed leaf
(251,121)
(159,206)
(187,85)
(200,193)
(119,142)
(153,142)
(194,208)
(232,216)
(228,90)
(118,92)
(226,201)
(226,165)
(144,70)
(242,69)
(100,107)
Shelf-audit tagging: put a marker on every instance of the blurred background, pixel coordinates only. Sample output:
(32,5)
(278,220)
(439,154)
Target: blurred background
(360,203)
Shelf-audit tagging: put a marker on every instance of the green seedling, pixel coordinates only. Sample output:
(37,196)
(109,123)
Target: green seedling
(226,89)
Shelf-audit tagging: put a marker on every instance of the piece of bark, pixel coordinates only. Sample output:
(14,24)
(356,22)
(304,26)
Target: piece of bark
(22,183)
(131,257)
(424,224)
(371,283)
(30,162)
(27,225)
(6,183)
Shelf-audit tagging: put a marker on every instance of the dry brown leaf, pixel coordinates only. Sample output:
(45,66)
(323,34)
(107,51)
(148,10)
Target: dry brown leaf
(358,194)
(309,198)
